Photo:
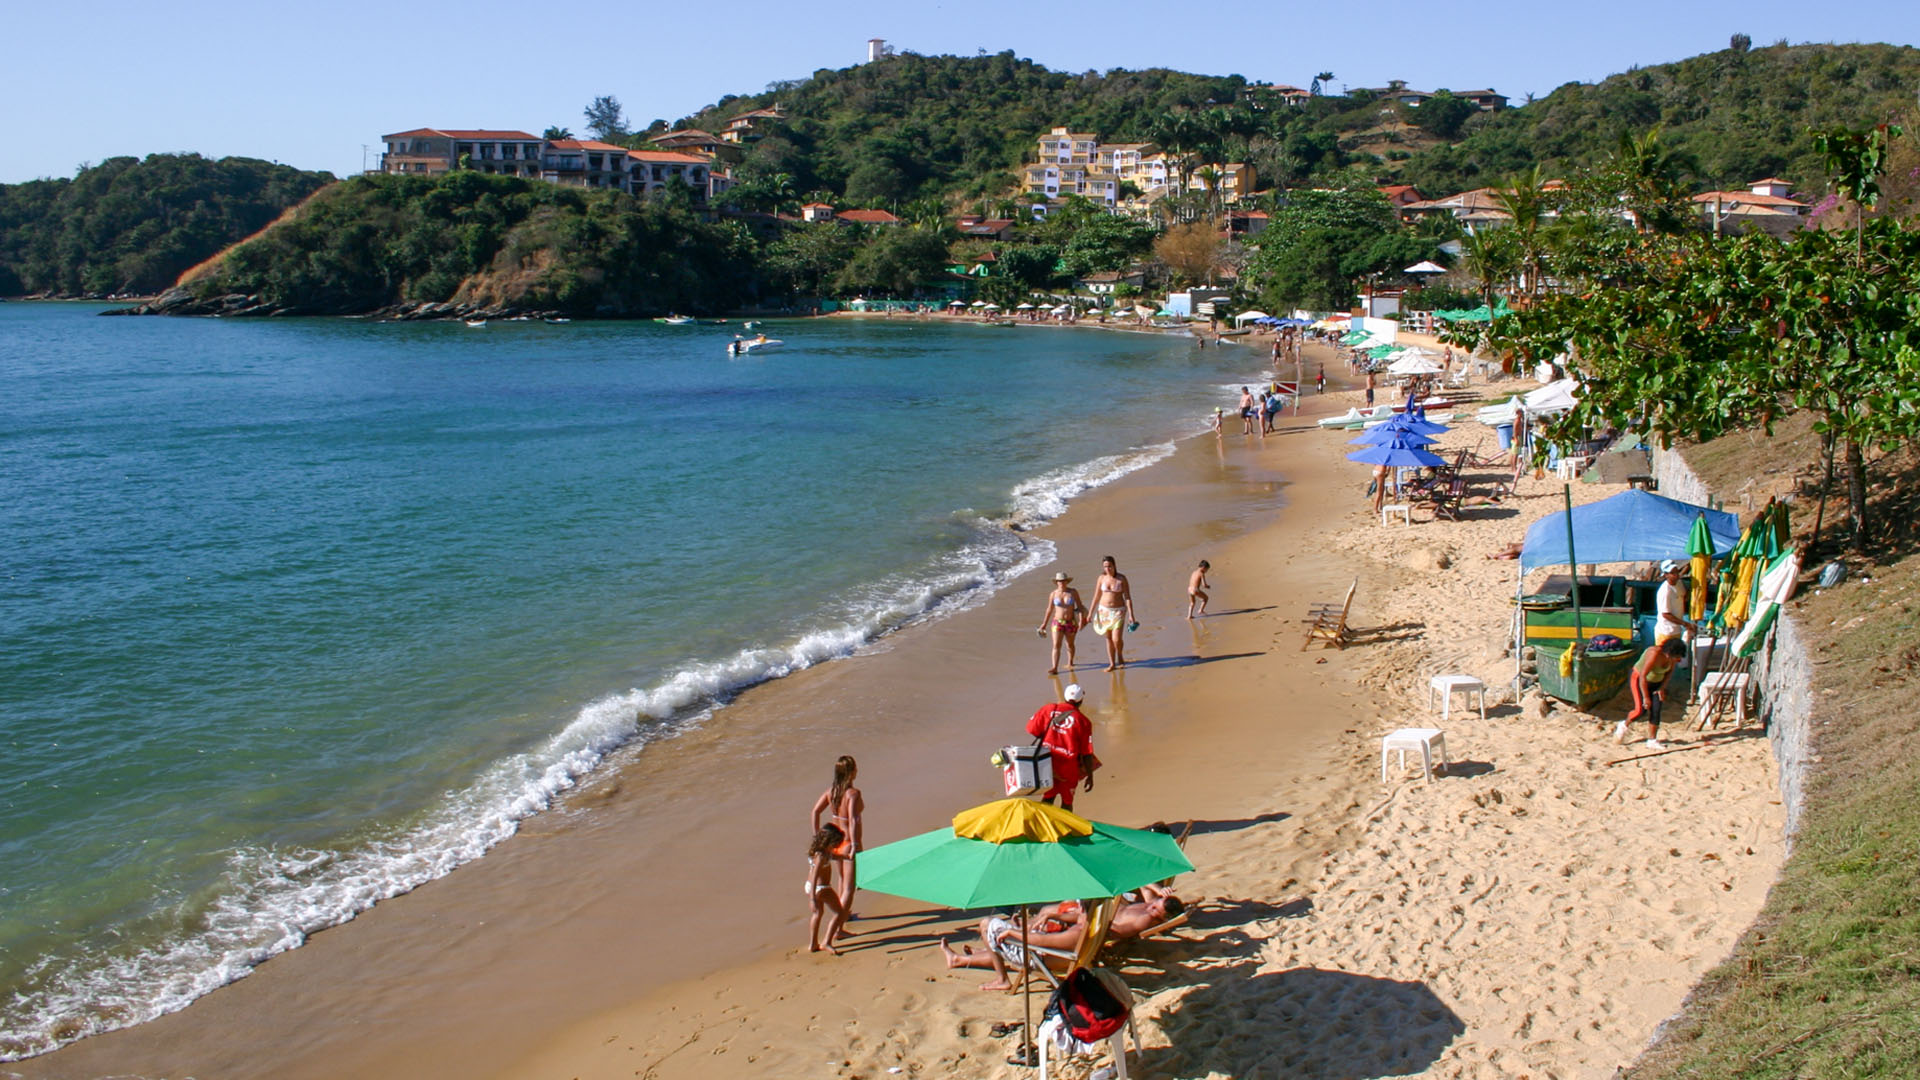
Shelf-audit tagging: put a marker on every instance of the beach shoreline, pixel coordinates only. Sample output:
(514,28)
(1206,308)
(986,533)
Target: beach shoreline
(647,924)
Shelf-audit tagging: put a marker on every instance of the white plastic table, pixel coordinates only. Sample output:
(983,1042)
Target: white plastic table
(1445,686)
(1429,741)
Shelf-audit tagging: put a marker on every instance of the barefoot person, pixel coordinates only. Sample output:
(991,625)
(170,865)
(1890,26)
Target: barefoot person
(1649,685)
(1061,620)
(1059,927)
(1246,411)
(843,807)
(1112,611)
(1197,588)
(821,899)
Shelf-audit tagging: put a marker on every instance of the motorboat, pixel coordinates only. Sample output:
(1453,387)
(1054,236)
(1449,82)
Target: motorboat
(559,319)
(477,324)
(678,320)
(743,346)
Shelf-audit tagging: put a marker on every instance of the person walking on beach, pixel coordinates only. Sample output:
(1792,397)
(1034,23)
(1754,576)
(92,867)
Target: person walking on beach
(1113,610)
(1370,385)
(1061,620)
(1246,411)
(843,806)
(1197,589)
(822,901)
(1379,488)
(1320,383)
(1649,685)
(1068,735)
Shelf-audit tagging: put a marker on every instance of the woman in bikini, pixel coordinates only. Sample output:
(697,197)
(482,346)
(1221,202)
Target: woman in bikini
(1112,611)
(843,806)
(821,899)
(1061,620)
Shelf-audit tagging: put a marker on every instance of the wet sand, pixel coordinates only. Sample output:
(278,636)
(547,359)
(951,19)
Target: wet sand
(652,926)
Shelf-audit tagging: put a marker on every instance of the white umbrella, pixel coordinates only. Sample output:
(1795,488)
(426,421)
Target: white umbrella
(1062,309)
(958,303)
(993,307)
(1425,267)
(1023,307)
(1413,365)
(1248,316)
(978,303)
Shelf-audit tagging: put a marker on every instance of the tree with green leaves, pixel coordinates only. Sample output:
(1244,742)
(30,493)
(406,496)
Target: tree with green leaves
(606,119)
(1690,336)
(1321,242)
(895,260)
(557,132)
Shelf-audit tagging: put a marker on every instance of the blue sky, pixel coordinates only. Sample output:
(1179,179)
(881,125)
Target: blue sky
(310,85)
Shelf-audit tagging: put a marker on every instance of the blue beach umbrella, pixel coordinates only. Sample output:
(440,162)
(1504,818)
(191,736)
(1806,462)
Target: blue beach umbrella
(1397,454)
(1386,434)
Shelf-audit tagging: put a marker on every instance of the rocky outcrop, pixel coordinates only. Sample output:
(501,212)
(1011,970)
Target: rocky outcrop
(183,301)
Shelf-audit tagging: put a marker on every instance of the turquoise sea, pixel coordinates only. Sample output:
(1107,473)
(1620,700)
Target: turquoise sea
(296,615)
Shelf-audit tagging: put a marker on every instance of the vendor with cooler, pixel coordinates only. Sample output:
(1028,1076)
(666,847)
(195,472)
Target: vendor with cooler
(1065,730)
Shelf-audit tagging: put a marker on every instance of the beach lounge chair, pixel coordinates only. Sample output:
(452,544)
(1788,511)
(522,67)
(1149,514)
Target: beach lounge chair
(1328,623)
(1446,501)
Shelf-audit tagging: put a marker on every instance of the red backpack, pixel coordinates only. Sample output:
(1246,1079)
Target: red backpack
(1088,1009)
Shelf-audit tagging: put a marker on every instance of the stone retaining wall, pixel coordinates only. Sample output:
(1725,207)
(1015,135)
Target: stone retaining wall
(1783,673)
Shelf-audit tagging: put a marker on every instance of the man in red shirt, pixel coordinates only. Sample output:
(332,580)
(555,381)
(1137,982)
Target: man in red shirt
(1069,734)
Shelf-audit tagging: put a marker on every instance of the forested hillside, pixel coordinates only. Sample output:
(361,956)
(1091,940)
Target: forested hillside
(129,225)
(1737,115)
(915,127)
(486,242)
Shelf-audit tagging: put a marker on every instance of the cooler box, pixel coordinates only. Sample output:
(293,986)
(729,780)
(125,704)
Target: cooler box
(1029,769)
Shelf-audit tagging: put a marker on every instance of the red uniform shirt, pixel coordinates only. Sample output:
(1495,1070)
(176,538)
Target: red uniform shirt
(1068,733)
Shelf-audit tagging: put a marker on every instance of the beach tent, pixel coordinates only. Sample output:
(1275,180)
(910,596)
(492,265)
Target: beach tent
(957,303)
(1555,397)
(1413,365)
(1425,266)
(1633,526)
(1249,316)
(1023,307)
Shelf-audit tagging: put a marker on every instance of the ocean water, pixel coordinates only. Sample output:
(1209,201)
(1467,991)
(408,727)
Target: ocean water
(296,615)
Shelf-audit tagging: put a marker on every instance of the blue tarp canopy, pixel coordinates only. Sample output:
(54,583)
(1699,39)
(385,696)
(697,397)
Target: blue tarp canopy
(1633,526)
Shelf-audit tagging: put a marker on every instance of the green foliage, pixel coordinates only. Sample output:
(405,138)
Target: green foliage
(1031,266)
(376,240)
(1106,243)
(1442,114)
(896,261)
(806,258)
(605,118)
(1317,244)
(129,225)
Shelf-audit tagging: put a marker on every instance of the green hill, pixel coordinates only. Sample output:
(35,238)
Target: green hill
(129,225)
(917,127)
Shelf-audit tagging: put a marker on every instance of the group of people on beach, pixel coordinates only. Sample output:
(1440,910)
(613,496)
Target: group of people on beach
(830,877)
(1111,615)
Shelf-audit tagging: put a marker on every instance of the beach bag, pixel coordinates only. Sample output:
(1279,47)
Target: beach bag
(1087,1009)
(1026,770)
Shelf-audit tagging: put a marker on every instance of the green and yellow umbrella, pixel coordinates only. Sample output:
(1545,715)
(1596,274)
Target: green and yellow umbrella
(1700,556)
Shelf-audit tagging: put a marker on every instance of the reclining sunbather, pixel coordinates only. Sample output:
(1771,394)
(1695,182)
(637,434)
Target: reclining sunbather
(1057,926)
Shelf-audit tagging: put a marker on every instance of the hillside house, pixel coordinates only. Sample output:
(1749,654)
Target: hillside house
(816,211)
(752,126)
(1103,284)
(1286,95)
(652,171)
(1396,90)
(1766,206)
(586,163)
(867,217)
(998,229)
(1401,195)
(433,151)
(1486,99)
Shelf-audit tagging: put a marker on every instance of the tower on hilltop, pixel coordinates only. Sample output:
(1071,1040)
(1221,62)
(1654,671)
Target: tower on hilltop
(878,49)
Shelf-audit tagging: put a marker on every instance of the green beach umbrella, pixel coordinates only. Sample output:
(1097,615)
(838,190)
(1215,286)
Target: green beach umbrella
(946,868)
(1776,585)
(1699,556)
(1018,851)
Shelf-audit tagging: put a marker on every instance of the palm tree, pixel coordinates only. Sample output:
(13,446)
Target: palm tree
(1490,258)
(1649,174)
(1320,81)
(1526,204)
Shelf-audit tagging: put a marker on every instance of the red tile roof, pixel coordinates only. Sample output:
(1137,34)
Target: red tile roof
(1748,198)
(586,144)
(869,217)
(667,157)
(817,206)
(476,134)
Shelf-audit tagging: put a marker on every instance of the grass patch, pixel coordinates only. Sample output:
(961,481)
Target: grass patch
(1826,983)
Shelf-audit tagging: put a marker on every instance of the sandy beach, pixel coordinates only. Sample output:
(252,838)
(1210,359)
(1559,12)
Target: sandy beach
(1537,911)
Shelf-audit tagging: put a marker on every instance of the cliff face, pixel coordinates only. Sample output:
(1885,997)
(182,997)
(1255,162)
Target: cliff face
(470,245)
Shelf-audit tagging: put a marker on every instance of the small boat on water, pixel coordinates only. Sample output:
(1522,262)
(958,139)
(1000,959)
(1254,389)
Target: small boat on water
(561,319)
(743,346)
(477,324)
(678,320)
(751,324)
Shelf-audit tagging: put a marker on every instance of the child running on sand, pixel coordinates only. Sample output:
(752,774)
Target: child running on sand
(1197,589)
(821,899)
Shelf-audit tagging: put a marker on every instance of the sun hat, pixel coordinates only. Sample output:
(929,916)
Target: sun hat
(1074,693)
(1669,566)
(1063,576)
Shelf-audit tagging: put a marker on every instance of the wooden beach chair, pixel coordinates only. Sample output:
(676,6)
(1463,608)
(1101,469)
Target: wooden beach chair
(1446,501)
(1328,623)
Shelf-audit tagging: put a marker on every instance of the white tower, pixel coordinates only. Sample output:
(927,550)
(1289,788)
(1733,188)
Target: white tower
(876,48)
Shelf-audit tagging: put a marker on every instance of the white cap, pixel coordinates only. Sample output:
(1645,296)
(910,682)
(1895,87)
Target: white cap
(1075,694)
(1669,566)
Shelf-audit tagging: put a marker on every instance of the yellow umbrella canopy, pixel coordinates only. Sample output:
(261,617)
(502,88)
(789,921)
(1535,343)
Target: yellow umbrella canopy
(1019,819)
